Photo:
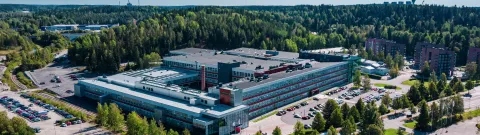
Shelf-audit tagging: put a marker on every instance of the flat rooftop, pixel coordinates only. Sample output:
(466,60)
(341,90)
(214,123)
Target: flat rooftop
(245,84)
(213,60)
(157,74)
(188,51)
(261,53)
(164,101)
(326,50)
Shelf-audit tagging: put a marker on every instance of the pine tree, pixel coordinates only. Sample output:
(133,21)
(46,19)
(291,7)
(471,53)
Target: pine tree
(458,87)
(357,78)
(373,130)
(470,85)
(332,131)
(386,100)
(424,117)
(133,124)
(153,128)
(299,129)
(414,95)
(360,106)
(354,114)
(383,109)
(366,83)
(318,123)
(336,118)
(432,88)
(347,128)
(186,132)
(425,94)
(458,104)
(345,110)
(330,106)
(399,131)
(370,117)
(277,130)
(436,115)
(172,132)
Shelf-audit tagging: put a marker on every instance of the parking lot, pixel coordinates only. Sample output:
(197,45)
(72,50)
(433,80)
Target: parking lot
(313,107)
(48,127)
(352,96)
(59,78)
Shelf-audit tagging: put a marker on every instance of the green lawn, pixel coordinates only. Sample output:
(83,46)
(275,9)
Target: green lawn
(265,116)
(410,124)
(412,82)
(383,85)
(392,131)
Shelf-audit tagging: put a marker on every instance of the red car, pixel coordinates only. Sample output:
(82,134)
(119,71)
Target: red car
(305,117)
(290,109)
(69,123)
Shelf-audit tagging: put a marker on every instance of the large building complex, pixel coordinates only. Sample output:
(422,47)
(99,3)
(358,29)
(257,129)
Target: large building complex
(387,47)
(233,87)
(473,55)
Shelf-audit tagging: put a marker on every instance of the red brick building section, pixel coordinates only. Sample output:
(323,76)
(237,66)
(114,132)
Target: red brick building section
(440,60)
(473,54)
(418,51)
(384,46)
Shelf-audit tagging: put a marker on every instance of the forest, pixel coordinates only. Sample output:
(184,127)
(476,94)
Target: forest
(146,29)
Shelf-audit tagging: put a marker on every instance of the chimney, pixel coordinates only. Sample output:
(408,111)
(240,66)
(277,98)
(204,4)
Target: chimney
(202,75)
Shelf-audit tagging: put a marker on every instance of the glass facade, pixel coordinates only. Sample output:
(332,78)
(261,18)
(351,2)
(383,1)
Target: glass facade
(272,96)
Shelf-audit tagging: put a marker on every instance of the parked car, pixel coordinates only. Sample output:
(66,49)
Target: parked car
(307,126)
(296,116)
(305,117)
(69,123)
(63,125)
(36,120)
(311,115)
(69,116)
(315,98)
(290,109)
(37,130)
(311,109)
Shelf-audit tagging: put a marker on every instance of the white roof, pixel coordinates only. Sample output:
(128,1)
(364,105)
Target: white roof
(159,100)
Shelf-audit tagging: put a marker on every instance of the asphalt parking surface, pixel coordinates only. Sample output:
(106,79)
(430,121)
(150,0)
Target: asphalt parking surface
(45,75)
(48,127)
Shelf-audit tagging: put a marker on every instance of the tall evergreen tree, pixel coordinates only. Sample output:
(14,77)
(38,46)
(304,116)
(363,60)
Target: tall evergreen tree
(360,106)
(319,123)
(424,117)
(435,114)
(278,131)
(330,106)
(336,118)
(345,110)
(299,129)
(355,114)
(332,131)
(357,78)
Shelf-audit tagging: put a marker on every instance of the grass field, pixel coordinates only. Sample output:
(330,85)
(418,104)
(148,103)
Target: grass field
(5,52)
(410,124)
(383,85)
(265,116)
(412,82)
(392,131)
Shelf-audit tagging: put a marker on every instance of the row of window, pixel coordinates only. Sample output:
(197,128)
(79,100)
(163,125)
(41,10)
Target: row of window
(276,92)
(294,80)
(242,74)
(295,92)
(283,102)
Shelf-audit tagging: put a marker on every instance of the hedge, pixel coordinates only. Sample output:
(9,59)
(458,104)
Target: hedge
(61,106)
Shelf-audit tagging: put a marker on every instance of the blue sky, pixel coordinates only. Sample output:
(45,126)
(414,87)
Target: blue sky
(475,3)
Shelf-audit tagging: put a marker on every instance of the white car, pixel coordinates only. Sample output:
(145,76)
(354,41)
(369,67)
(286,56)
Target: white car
(297,116)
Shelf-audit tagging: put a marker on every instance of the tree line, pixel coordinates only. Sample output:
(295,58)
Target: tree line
(287,28)
(111,117)
(14,126)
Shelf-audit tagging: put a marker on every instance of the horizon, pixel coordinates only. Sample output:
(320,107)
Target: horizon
(467,3)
